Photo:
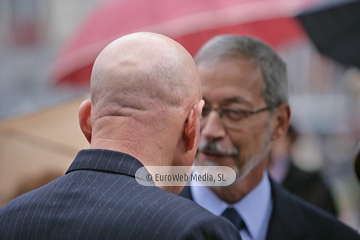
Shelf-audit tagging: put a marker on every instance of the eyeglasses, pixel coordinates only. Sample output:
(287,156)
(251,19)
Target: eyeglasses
(230,117)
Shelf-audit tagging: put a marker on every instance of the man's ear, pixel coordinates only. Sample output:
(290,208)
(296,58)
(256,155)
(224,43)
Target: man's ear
(85,119)
(281,121)
(192,126)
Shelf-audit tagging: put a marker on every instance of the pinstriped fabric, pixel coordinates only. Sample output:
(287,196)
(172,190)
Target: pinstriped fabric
(131,167)
(73,197)
(48,218)
(120,163)
(110,160)
(38,209)
(173,225)
(75,208)
(59,202)
(156,214)
(35,206)
(126,218)
(119,213)
(82,208)
(99,198)
(102,209)
(5,231)
(144,211)
(83,159)
(179,219)
(196,219)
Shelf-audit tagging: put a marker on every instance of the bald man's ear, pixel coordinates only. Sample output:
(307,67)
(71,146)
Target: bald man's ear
(85,119)
(281,121)
(192,126)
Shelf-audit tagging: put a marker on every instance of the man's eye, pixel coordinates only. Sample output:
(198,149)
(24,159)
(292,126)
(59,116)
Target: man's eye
(205,111)
(234,114)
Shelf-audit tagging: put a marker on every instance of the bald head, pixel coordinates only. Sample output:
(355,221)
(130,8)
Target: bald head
(145,100)
(143,71)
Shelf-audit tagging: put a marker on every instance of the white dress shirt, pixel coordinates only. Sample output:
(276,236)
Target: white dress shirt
(255,208)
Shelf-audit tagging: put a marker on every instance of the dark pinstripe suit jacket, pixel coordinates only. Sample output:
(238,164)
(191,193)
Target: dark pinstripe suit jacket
(99,198)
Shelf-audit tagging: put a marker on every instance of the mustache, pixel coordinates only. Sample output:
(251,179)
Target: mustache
(215,147)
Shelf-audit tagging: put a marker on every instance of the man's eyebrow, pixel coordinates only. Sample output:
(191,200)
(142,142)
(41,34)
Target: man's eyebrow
(232,100)
(236,100)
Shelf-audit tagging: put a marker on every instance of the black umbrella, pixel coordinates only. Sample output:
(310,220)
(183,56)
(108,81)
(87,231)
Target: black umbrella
(335,30)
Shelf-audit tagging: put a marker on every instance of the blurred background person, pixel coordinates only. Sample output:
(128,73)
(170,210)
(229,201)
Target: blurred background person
(308,185)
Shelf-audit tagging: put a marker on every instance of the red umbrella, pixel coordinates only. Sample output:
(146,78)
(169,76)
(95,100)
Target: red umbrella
(191,23)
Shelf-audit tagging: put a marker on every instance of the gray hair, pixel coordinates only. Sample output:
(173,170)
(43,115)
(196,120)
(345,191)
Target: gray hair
(272,66)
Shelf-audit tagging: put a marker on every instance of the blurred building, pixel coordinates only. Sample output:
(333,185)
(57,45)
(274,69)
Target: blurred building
(39,133)
(37,148)
(32,32)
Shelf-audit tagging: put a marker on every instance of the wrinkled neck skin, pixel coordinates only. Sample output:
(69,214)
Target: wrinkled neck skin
(150,145)
(142,146)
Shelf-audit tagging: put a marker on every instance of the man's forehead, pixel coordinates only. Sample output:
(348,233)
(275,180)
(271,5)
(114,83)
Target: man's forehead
(231,81)
(224,97)
(232,72)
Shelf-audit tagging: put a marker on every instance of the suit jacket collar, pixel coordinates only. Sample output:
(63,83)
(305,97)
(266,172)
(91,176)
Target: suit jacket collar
(106,161)
(287,221)
(186,193)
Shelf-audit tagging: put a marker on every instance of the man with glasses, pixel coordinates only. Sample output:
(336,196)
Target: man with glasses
(246,109)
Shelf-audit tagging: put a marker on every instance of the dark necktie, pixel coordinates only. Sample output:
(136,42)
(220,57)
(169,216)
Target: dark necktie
(232,215)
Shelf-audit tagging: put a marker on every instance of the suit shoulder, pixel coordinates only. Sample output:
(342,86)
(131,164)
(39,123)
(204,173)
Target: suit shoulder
(188,204)
(320,222)
(197,222)
(208,226)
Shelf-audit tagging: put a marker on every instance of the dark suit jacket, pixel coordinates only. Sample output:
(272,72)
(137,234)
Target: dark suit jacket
(293,218)
(99,198)
(309,186)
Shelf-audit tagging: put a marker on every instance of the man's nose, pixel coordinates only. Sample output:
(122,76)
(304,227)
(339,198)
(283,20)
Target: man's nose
(212,127)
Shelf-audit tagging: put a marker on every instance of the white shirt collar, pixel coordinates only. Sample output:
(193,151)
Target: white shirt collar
(255,208)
